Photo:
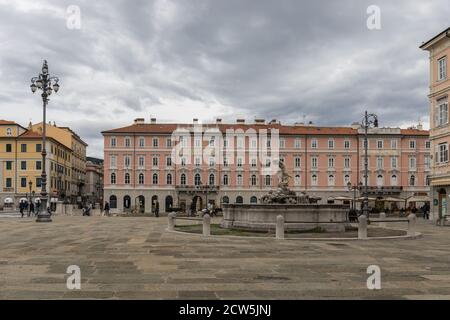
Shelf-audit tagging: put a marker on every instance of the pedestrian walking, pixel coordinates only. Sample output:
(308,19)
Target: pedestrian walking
(31,209)
(21,207)
(106,209)
(157,208)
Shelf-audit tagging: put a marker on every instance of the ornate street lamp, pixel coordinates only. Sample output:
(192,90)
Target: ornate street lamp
(46,84)
(368,121)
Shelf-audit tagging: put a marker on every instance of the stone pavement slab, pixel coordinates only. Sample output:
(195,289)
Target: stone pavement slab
(135,258)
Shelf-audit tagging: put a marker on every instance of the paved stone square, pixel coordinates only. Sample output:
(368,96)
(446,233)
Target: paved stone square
(135,258)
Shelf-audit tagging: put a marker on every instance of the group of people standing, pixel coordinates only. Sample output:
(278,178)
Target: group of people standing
(24,206)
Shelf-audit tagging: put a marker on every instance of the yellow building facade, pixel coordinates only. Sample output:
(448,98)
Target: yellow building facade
(21,165)
(72,141)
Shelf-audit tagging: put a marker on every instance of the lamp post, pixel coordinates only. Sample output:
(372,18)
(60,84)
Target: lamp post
(368,121)
(46,84)
(354,188)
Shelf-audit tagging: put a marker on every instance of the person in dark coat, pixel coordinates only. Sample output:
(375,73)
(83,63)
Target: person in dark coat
(156,208)
(21,207)
(106,208)
(31,208)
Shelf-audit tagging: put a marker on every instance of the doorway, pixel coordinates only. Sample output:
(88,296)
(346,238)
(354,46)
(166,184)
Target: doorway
(442,203)
(198,203)
(169,203)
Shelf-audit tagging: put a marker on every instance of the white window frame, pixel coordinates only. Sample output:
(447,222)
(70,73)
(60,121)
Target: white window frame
(442,68)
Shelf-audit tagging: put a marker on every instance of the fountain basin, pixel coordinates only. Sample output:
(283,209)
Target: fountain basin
(297,217)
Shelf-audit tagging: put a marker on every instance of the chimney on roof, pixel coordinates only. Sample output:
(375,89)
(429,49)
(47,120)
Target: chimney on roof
(260,121)
(218,120)
(30,126)
(419,126)
(139,121)
(195,121)
(240,120)
(153,120)
(310,123)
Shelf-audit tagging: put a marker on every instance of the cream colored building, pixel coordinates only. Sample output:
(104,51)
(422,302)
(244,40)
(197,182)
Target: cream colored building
(72,141)
(439,49)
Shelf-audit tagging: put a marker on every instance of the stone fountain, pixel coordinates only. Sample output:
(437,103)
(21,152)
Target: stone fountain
(300,212)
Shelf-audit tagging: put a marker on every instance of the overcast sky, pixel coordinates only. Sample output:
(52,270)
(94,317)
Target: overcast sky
(177,60)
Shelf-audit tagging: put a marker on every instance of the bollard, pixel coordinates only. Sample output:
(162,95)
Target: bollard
(171,226)
(362,227)
(280,227)
(412,225)
(382,217)
(206,225)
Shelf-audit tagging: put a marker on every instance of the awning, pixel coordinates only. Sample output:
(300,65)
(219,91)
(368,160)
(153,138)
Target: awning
(23,200)
(419,199)
(369,198)
(440,182)
(393,199)
(342,198)
(9,200)
(37,200)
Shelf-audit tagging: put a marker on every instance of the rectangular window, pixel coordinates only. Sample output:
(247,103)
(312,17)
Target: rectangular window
(379,144)
(197,161)
(297,162)
(239,161)
(38,165)
(141,161)
(331,144)
(23,165)
(8,183)
(155,161)
(393,162)
(412,144)
(8,165)
(331,162)
(212,162)
(23,182)
(379,162)
(427,162)
(394,144)
(127,161)
(442,69)
(427,144)
(127,142)
(38,182)
(347,144)
(183,161)
(282,143)
(38,147)
(169,161)
(412,163)
(113,143)
(314,144)
(297,143)
(240,143)
(254,162)
(441,116)
(443,152)
(169,143)
(113,162)
(314,162)
(8,147)
(225,162)
(155,142)
(347,163)
(254,143)
(141,142)
(23,147)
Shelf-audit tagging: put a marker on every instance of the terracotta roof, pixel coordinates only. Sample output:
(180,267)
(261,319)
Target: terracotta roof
(168,128)
(30,134)
(6,122)
(414,132)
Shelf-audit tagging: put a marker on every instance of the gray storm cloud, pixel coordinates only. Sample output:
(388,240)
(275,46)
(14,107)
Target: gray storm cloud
(176,60)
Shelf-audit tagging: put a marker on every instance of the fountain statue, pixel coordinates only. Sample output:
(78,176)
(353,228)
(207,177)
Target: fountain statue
(283,194)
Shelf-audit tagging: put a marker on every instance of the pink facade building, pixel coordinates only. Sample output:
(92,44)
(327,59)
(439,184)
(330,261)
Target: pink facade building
(235,163)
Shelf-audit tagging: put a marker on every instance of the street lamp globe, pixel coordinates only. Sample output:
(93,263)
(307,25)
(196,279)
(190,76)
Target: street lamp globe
(33,88)
(56,87)
(39,83)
